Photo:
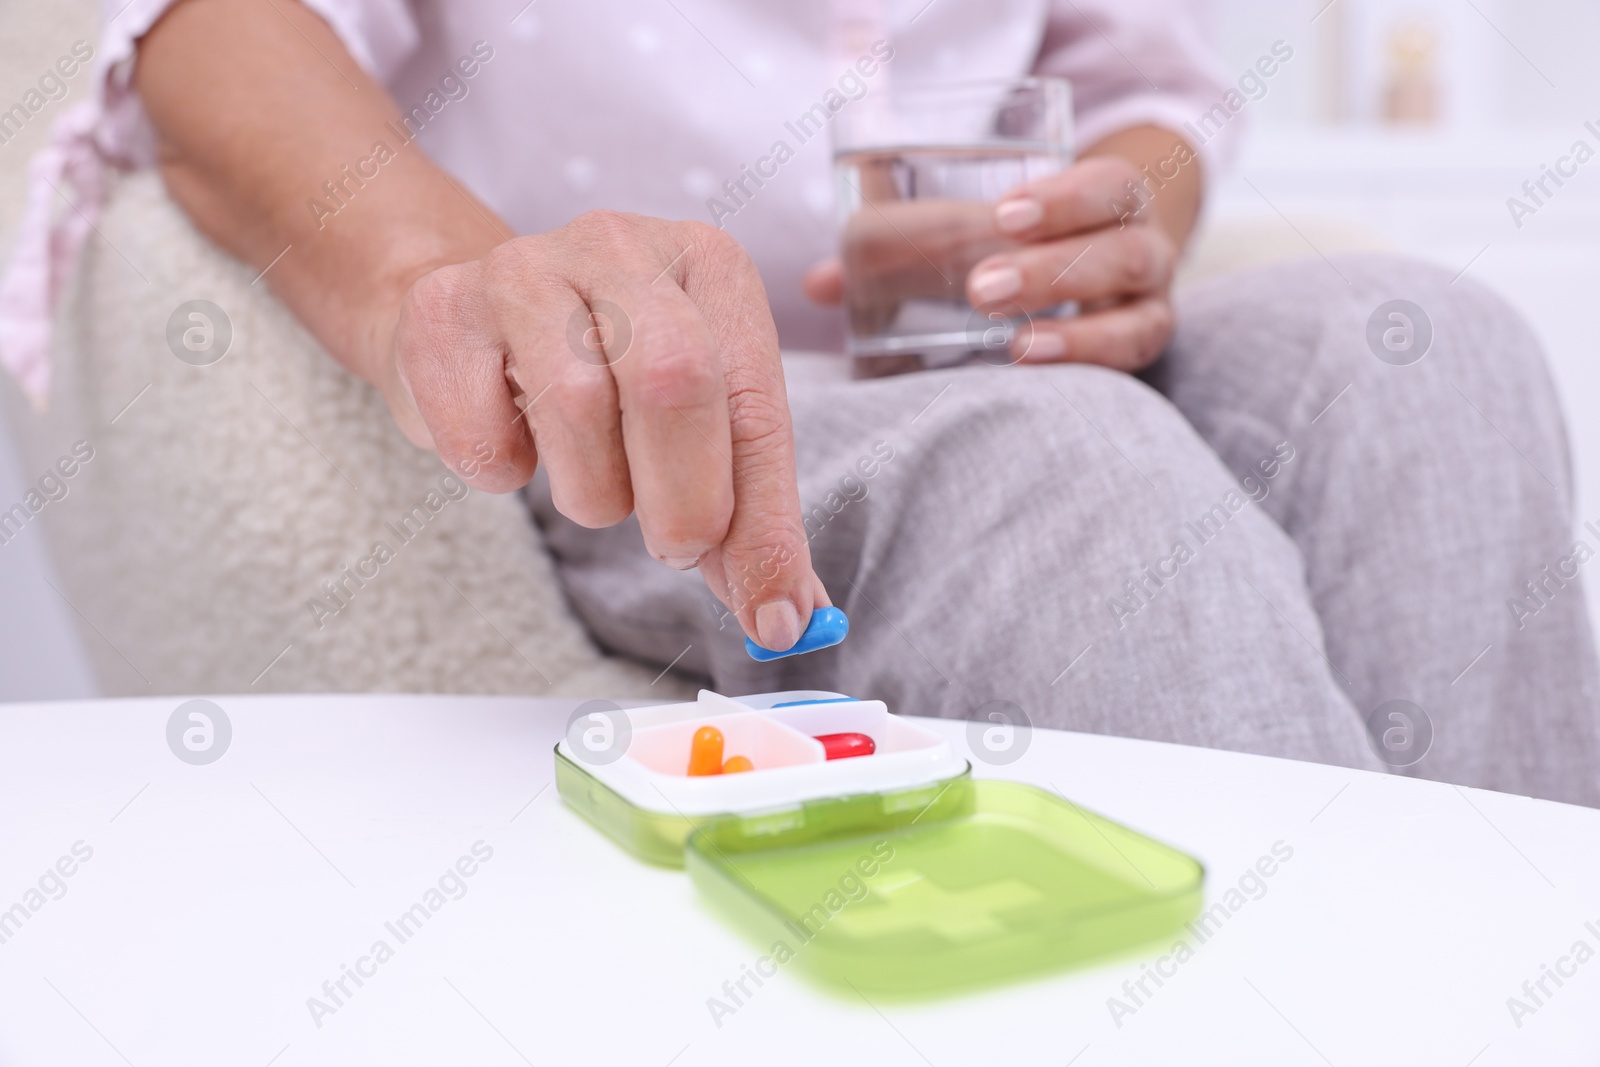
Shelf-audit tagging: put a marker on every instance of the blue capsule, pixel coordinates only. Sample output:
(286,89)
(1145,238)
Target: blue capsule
(827,628)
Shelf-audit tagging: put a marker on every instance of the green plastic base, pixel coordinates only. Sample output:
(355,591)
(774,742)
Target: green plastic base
(660,837)
(651,836)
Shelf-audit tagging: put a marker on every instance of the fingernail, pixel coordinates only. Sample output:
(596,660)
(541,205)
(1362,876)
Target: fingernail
(777,625)
(1046,346)
(1014,216)
(405,382)
(996,283)
(680,563)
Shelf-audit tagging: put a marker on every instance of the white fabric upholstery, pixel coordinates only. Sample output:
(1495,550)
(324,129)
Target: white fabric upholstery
(219,502)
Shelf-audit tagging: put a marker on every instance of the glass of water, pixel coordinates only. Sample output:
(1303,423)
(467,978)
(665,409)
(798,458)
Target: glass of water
(917,170)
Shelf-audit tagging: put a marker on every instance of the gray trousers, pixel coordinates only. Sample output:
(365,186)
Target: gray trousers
(1258,546)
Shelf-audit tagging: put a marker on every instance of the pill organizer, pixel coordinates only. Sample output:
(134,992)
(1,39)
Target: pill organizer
(895,872)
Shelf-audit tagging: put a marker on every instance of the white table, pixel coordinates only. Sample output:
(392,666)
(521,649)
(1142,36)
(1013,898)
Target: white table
(219,898)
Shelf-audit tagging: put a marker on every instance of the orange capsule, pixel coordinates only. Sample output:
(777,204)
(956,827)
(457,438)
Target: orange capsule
(705,752)
(736,764)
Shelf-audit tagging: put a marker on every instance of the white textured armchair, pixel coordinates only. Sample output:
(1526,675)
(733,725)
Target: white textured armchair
(257,522)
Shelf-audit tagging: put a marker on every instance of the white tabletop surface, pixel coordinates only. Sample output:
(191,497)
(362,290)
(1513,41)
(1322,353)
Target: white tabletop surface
(219,898)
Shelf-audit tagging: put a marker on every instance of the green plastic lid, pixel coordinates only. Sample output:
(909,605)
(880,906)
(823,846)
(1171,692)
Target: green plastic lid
(986,881)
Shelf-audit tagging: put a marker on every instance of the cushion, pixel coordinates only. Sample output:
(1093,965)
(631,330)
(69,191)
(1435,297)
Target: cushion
(249,519)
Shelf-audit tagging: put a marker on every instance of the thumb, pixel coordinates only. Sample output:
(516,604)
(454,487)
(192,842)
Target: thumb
(824,282)
(396,390)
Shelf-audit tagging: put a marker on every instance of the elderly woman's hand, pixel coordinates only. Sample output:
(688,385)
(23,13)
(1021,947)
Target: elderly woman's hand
(1084,240)
(636,359)
(1098,233)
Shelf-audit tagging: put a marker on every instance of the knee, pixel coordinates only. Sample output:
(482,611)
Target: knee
(1308,306)
(1468,325)
(1412,336)
(1474,363)
(1413,313)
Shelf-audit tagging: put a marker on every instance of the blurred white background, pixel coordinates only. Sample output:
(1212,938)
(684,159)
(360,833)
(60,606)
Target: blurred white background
(1416,120)
(1397,123)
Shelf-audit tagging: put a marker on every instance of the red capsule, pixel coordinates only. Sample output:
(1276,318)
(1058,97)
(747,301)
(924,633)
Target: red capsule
(843,746)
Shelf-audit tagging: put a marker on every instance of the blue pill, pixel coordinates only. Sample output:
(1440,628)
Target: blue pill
(828,627)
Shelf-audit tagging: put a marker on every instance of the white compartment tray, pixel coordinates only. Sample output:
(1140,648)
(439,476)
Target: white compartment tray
(790,766)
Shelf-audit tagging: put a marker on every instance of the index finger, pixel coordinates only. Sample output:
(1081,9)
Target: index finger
(762,570)
(1089,194)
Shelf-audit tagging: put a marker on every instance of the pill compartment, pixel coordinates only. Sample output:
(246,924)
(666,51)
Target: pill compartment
(765,741)
(890,733)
